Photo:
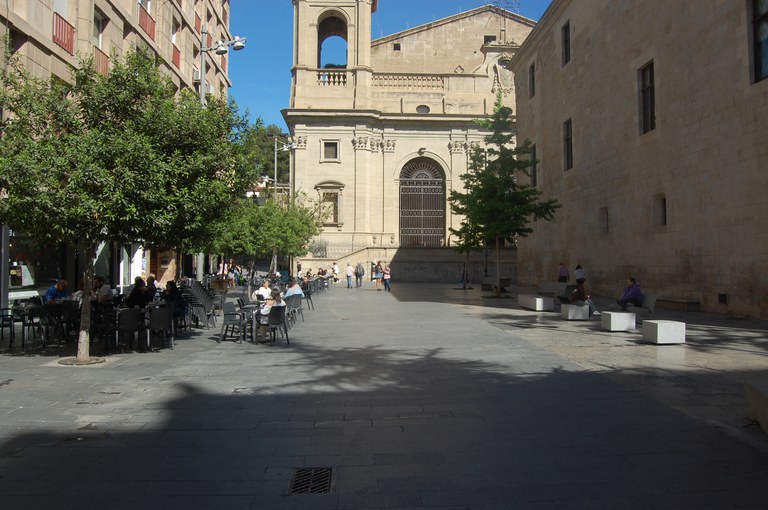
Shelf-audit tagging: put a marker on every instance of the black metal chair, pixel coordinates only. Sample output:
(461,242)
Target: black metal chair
(130,321)
(160,322)
(233,322)
(9,317)
(278,321)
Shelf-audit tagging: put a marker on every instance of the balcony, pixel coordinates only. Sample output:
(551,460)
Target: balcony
(146,22)
(176,57)
(101,61)
(63,33)
(409,82)
(332,78)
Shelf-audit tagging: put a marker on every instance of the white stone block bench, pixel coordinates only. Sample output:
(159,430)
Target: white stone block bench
(574,312)
(618,321)
(537,303)
(664,332)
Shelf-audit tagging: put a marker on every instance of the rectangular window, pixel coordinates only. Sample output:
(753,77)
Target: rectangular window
(647,99)
(533,167)
(397,46)
(330,208)
(489,39)
(98,30)
(568,144)
(760,37)
(532,79)
(604,220)
(145,4)
(566,40)
(331,151)
(660,209)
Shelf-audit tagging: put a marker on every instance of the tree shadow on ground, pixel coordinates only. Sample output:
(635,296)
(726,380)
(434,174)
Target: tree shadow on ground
(401,428)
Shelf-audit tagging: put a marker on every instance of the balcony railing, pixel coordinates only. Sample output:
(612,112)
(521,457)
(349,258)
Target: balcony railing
(146,22)
(101,61)
(409,81)
(63,33)
(176,58)
(332,78)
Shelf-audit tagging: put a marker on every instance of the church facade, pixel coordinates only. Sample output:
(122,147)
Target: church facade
(381,139)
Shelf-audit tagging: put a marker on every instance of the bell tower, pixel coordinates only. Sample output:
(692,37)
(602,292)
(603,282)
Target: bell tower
(319,85)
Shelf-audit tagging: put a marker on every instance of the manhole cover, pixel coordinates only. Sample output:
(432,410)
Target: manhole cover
(311,481)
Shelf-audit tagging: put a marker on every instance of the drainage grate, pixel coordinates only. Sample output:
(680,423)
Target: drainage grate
(311,481)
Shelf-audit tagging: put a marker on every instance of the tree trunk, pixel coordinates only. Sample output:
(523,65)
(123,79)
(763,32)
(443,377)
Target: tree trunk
(84,335)
(498,267)
(464,276)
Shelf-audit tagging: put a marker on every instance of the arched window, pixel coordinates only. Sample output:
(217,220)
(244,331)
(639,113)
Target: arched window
(332,42)
(422,203)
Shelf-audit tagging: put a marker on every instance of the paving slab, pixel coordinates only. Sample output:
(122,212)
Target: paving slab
(427,397)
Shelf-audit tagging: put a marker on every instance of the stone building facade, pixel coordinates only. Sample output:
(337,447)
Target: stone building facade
(650,124)
(382,139)
(48,36)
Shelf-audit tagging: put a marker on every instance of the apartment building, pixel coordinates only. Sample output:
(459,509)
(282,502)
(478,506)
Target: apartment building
(49,37)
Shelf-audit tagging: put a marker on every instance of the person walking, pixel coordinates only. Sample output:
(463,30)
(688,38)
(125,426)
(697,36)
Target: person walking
(378,274)
(386,277)
(359,273)
(350,274)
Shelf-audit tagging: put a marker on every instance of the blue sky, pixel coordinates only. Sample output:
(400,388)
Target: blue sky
(261,73)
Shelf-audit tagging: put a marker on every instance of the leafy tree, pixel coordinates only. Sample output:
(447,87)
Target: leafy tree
(259,149)
(468,239)
(285,227)
(115,158)
(494,204)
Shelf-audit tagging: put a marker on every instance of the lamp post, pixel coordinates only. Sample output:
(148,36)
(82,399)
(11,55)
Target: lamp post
(284,146)
(220,48)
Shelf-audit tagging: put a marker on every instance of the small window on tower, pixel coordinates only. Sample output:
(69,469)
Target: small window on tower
(422,108)
(397,46)
(488,39)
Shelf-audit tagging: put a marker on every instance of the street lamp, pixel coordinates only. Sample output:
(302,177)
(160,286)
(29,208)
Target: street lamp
(220,48)
(284,146)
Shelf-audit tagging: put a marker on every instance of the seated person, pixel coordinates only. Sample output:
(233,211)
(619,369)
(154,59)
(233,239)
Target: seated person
(101,291)
(631,295)
(579,297)
(151,288)
(56,292)
(263,317)
(138,296)
(264,291)
(175,298)
(293,289)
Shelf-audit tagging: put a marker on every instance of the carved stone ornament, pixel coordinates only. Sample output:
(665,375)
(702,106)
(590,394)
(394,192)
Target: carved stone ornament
(389,145)
(300,142)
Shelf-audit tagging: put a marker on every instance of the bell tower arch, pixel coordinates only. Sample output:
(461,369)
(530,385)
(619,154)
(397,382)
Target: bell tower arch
(320,84)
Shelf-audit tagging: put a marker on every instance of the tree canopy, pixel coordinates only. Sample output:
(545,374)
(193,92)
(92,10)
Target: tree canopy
(121,157)
(495,205)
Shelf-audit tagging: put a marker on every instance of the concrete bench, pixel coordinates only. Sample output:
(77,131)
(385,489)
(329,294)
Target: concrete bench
(649,304)
(537,303)
(574,312)
(683,304)
(553,289)
(664,332)
(618,321)
(756,397)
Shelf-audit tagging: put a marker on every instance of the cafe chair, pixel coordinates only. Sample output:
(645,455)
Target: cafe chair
(278,322)
(160,322)
(8,319)
(233,322)
(129,322)
(294,307)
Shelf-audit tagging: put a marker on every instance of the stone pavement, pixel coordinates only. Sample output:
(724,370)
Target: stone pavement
(429,397)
